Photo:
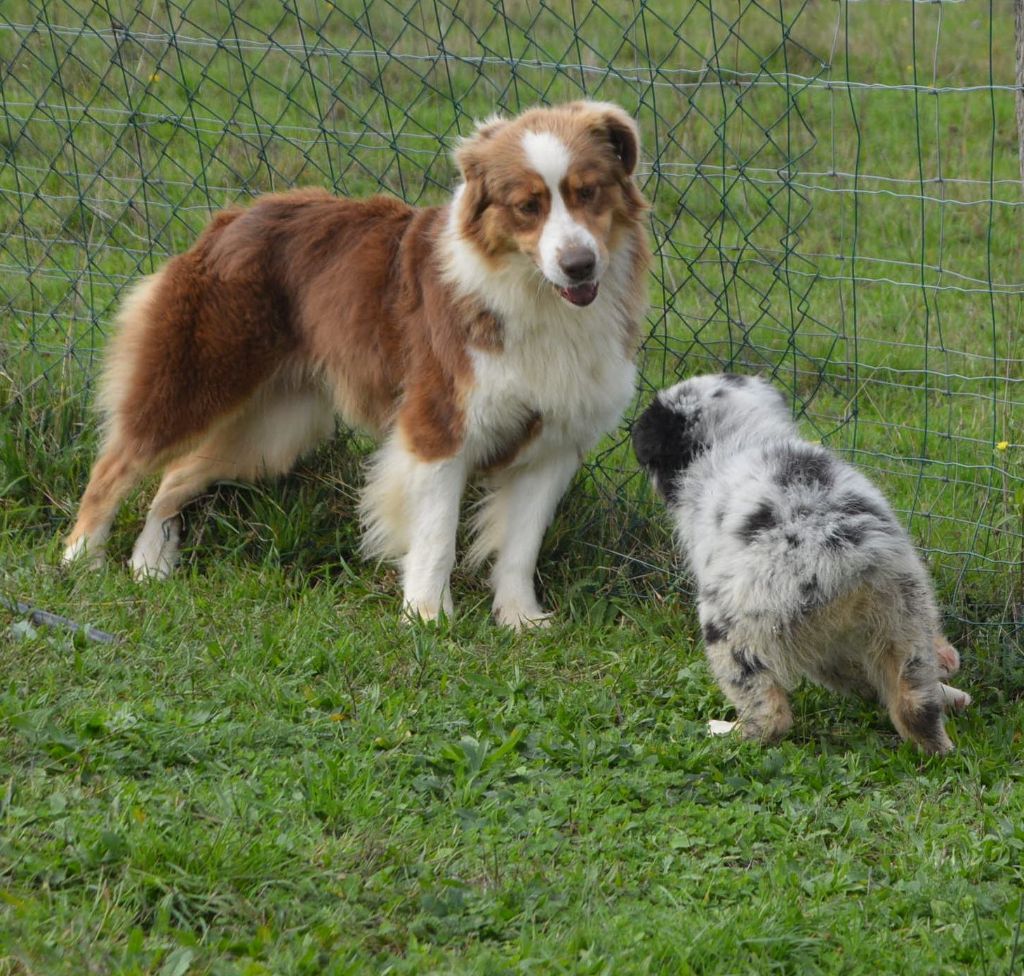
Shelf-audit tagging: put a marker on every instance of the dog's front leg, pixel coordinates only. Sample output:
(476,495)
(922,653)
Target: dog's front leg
(511,523)
(433,492)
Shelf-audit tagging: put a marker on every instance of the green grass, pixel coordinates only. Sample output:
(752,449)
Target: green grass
(267,774)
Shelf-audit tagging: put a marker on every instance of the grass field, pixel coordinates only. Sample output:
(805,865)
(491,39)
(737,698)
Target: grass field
(266,774)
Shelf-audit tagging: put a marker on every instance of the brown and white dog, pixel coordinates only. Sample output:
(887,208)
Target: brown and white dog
(495,336)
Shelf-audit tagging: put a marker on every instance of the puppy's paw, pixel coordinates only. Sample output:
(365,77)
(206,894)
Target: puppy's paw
(941,746)
(947,656)
(718,727)
(954,700)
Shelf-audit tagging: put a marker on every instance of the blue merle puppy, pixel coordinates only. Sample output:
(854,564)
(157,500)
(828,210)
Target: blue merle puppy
(801,566)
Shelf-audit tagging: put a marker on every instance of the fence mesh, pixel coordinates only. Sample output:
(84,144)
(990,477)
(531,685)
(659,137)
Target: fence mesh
(834,187)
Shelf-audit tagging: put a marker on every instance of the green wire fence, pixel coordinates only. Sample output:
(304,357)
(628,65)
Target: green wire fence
(834,187)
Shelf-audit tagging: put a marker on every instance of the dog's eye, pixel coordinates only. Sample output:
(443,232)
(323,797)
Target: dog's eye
(586,193)
(528,208)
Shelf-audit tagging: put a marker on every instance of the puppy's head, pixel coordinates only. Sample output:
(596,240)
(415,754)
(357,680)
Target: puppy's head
(555,186)
(667,436)
(684,420)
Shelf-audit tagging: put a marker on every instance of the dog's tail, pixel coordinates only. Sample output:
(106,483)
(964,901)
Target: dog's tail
(191,344)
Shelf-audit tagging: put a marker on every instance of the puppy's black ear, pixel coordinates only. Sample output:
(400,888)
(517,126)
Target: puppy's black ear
(666,442)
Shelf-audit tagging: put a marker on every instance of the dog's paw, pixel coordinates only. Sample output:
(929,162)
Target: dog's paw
(522,618)
(143,571)
(954,699)
(424,611)
(718,727)
(78,553)
(156,550)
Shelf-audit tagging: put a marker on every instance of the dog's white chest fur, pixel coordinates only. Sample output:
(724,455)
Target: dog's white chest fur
(568,365)
(578,382)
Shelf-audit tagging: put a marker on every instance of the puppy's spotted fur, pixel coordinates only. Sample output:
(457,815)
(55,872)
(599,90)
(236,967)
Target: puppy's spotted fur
(802,568)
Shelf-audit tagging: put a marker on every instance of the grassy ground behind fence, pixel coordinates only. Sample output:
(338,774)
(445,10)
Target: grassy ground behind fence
(860,244)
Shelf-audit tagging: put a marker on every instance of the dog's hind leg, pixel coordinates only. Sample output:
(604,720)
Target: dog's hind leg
(761,702)
(155,553)
(192,347)
(266,437)
(123,460)
(116,471)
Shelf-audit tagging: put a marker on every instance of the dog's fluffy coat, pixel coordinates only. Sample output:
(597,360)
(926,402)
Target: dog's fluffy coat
(495,335)
(801,566)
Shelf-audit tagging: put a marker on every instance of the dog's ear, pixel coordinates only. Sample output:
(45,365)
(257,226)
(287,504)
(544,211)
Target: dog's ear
(469,155)
(470,149)
(624,136)
(475,199)
(617,127)
(609,122)
(666,443)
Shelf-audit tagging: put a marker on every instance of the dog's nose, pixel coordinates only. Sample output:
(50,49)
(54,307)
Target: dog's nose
(577,263)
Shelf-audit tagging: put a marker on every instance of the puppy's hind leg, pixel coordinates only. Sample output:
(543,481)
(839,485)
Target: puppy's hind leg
(915,698)
(761,702)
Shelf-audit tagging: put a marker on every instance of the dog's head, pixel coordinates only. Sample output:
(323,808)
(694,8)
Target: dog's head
(554,185)
(683,421)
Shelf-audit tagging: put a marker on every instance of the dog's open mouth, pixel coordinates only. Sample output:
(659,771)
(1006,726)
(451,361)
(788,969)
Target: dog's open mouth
(580,294)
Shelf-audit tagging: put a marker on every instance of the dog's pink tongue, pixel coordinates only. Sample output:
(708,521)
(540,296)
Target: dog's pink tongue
(580,294)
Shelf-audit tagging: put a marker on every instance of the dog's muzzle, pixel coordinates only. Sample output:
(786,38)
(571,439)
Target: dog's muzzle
(578,265)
